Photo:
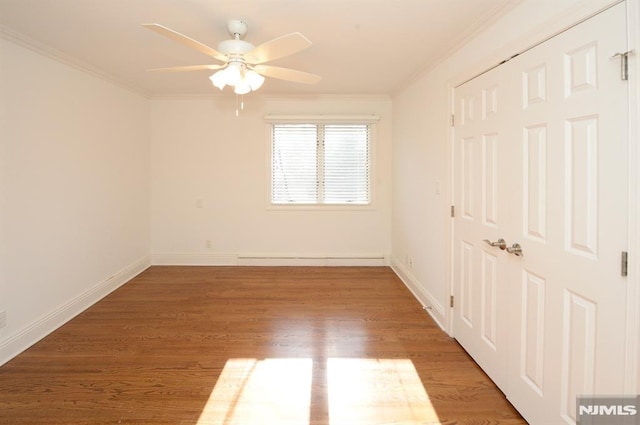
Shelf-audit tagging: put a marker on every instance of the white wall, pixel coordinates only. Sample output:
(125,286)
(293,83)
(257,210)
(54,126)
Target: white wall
(420,202)
(421,133)
(74,192)
(202,151)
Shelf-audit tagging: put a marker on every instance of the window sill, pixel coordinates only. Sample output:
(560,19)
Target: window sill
(321,207)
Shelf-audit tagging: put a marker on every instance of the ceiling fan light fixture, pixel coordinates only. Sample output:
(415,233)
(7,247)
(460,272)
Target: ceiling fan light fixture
(236,75)
(253,79)
(218,79)
(242,87)
(232,73)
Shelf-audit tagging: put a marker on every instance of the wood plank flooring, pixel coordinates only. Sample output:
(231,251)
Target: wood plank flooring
(252,345)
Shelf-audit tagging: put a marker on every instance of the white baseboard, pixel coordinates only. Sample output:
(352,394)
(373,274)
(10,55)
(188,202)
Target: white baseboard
(268,259)
(430,304)
(319,260)
(194,259)
(25,338)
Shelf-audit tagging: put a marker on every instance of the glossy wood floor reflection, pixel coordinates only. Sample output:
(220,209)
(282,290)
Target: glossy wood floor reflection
(242,345)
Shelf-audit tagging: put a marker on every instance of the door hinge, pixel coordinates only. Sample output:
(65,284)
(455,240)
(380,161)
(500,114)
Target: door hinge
(451,301)
(453,211)
(624,261)
(624,64)
(453,120)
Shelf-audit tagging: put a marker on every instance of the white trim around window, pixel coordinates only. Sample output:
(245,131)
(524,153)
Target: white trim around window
(322,119)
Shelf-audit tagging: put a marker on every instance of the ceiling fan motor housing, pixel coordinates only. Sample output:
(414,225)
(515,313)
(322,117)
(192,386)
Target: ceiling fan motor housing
(235,47)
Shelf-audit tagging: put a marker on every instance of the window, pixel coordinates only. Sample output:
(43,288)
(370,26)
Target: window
(320,164)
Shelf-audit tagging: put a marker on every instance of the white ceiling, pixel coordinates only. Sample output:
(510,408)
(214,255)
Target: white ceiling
(359,46)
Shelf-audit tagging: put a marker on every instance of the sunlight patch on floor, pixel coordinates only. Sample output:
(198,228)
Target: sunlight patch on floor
(377,392)
(278,392)
(269,391)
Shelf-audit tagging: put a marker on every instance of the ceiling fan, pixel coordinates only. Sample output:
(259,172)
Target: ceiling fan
(242,63)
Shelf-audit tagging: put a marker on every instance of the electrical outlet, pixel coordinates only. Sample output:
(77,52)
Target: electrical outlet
(410,261)
(207,244)
(3,319)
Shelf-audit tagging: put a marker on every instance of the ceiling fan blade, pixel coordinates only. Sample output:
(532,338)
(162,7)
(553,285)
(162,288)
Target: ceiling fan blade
(187,68)
(278,48)
(187,41)
(287,74)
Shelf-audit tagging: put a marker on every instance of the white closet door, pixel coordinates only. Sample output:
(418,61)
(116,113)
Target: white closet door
(481,169)
(561,194)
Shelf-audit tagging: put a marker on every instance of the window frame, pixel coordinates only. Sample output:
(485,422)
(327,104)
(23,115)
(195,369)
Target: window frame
(369,120)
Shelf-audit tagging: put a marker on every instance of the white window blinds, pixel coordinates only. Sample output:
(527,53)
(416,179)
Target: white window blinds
(320,164)
(294,164)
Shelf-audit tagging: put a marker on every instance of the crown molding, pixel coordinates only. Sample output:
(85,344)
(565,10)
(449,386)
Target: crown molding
(22,40)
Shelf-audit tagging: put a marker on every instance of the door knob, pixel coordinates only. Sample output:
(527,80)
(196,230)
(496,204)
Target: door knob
(515,249)
(500,243)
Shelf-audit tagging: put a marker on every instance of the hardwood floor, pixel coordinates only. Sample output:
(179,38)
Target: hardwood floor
(244,345)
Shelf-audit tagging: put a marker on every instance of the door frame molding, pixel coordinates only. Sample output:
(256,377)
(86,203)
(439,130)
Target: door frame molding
(562,21)
(632,349)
